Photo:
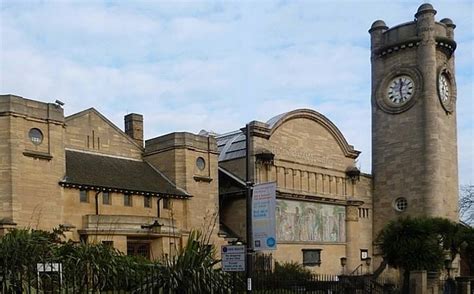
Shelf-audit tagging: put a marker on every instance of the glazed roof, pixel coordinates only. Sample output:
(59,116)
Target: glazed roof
(232,145)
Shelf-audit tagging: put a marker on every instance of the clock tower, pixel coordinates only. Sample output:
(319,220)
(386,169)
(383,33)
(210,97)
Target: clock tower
(414,145)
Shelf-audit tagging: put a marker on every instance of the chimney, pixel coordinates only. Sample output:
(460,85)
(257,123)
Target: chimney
(134,127)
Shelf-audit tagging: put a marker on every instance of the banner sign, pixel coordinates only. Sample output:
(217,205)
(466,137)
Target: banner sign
(263,216)
(233,258)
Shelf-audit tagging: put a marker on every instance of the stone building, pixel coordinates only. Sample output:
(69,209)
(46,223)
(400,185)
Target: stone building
(103,184)
(84,174)
(324,209)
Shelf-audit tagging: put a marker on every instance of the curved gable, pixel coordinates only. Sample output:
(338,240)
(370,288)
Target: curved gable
(326,125)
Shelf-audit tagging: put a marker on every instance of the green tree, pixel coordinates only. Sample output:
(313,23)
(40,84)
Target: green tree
(411,244)
(424,243)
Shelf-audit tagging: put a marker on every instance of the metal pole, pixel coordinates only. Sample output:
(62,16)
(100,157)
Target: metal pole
(249,260)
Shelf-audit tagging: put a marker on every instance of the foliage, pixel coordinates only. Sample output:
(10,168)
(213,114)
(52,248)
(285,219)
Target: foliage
(21,250)
(467,247)
(101,267)
(20,247)
(425,243)
(92,266)
(193,270)
(291,271)
(412,244)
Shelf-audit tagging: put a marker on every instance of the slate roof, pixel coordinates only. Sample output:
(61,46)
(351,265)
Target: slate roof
(116,174)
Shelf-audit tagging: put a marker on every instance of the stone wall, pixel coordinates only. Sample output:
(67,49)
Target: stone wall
(33,197)
(176,155)
(90,131)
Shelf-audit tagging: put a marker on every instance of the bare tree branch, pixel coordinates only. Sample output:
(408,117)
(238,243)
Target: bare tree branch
(466,204)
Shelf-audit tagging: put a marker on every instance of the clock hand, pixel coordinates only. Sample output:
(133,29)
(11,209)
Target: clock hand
(400,88)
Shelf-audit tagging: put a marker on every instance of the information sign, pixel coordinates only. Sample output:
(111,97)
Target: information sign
(233,258)
(263,216)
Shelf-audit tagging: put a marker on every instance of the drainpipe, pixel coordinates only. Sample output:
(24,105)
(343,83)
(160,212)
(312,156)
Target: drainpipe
(158,212)
(97,203)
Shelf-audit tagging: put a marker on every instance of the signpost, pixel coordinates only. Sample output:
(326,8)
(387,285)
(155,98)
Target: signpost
(263,217)
(233,258)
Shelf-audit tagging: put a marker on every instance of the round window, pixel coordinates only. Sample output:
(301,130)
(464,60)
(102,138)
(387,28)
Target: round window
(36,136)
(401,204)
(200,163)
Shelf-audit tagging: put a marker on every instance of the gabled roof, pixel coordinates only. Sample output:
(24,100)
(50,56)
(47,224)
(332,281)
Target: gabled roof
(106,120)
(107,173)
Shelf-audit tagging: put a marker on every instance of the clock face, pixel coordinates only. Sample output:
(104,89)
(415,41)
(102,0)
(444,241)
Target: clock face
(444,88)
(400,90)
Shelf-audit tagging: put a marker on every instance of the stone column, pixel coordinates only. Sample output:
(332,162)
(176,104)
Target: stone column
(418,282)
(433,282)
(463,285)
(352,235)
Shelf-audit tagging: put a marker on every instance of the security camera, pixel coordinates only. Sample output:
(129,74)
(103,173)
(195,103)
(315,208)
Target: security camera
(60,103)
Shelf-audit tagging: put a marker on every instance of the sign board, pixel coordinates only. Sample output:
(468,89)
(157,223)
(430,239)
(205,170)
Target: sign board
(49,268)
(233,258)
(263,216)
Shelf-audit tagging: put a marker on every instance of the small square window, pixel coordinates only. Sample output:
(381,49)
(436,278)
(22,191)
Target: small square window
(106,198)
(311,257)
(364,254)
(127,199)
(147,201)
(167,203)
(83,196)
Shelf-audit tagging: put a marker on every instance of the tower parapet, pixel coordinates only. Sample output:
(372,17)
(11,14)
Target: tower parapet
(385,40)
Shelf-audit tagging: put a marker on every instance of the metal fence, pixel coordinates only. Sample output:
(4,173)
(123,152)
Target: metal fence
(50,277)
(267,282)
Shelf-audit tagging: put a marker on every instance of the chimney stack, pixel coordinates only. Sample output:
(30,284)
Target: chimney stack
(134,127)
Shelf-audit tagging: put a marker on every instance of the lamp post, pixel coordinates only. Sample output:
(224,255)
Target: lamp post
(368,261)
(343,265)
(248,184)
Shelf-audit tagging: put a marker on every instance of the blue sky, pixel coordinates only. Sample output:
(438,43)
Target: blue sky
(214,65)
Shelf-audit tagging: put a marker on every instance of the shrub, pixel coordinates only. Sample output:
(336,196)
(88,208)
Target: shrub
(291,271)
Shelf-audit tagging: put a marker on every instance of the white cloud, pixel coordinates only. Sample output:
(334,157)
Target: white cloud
(214,65)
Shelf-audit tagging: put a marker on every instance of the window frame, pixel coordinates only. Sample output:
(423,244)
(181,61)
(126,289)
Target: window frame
(83,196)
(127,200)
(36,136)
(307,262)
(400,204)
(147,202)
(109,198)
(166,203)
(364,254)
